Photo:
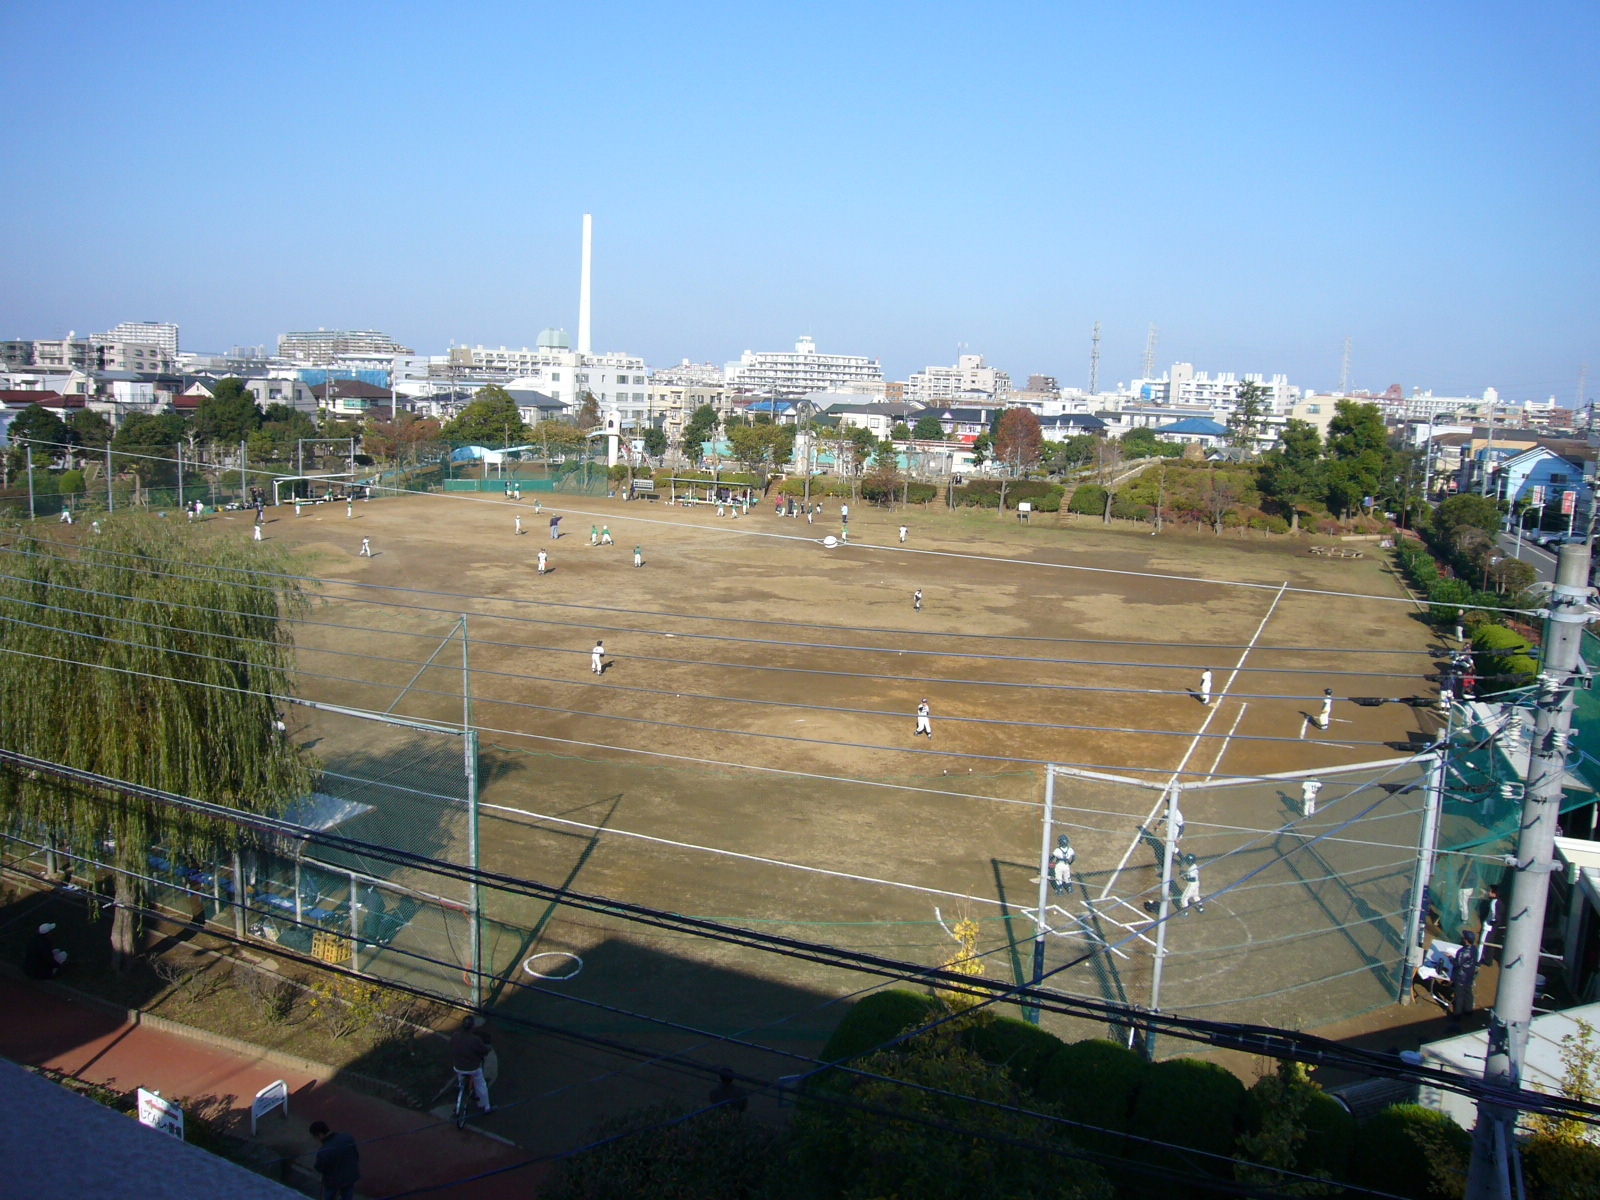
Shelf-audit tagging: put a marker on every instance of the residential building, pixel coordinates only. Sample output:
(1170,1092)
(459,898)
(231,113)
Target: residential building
(971,375)
(322,346)
(669,406)
(161,334)
(1542,474)
(1182,385)
(689,375)
(619,382)
(1317,410)
(71,351)
(800,373)
(878,418)
(132,356)
(347,398)
(16,354)
(1193,429)
(1061,426)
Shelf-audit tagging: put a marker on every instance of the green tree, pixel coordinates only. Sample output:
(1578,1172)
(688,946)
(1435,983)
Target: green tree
(145,447)
(1074,452)
(1245,423)
(1143,443)
(588,412)
(702,427)
(1358,445)
(860,445)
(38,425)
(1292,475)
(655,442)
(490,418)
(1469,510)
(90,429)
(752,446)
(170,681)
(561,436)
(901,431)
(228,416)
(982,448)
(928,429)
(285,421)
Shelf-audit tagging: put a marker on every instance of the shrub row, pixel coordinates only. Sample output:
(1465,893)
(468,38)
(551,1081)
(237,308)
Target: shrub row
(1190,1103)
(985,493)
(1451,599)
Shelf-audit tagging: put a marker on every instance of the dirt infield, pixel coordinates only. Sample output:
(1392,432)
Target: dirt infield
(725,816)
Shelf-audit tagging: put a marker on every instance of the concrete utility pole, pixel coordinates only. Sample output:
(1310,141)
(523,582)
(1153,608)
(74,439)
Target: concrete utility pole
(1494,1153)
(1094,360)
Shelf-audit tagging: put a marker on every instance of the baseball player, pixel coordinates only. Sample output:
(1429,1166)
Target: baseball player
(1308,796)
(924,722)
(1325,717)
(605,536)
(1190,879)
(349,507)
(594,535)
(1205,687)
(366,548)
(257,530)
(555,528)
(638,556)
(66,517)
(916,600)
(544,562)
(597,658)
(903,532)
(1061,860)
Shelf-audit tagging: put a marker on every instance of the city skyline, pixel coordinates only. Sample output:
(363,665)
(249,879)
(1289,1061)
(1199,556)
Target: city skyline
(1259,186)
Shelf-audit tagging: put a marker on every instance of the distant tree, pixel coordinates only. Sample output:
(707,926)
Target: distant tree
(752,446)
(490,418)
(561,436)
(1143,443)
(982,448)
(1292,476)
(90,429)
(144,447)
(1468,511)
(286,421)
(928,429)
(48,433)
(1108,460)
(177,678)
(861,445)
(655,442)
(1358,445)
(228,416)
(1019,442)
(702,427)
(1222,498)
(401,439)
(1073,452)
(1249,410)
(588,412)
(901,431)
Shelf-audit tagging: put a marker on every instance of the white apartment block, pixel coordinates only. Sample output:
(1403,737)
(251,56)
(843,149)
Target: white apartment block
(1181,385)
(689,374)
(801,373)
(618,382)
(320,347)
(970,376)
(163,334)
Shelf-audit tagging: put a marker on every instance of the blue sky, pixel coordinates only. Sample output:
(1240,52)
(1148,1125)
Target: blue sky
(1259,180)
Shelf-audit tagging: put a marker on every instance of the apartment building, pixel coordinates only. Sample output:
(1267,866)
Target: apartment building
(970,377)
(802,372)
(320,347)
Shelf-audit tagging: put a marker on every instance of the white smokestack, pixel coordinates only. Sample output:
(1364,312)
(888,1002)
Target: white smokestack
(583,291)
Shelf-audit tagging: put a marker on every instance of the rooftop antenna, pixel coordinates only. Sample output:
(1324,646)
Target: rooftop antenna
(1094,361)
(1150,353)
(1344,369)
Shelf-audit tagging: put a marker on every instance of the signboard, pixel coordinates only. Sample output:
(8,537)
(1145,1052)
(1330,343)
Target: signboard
(160,1114)
(1025,506)
(1569,501)
(274,1095)
(1537,499)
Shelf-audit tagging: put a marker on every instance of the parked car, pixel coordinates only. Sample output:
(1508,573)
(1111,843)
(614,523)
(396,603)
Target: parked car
(1551,539)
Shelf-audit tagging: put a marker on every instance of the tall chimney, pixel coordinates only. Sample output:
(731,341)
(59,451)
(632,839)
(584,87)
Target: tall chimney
(583,291)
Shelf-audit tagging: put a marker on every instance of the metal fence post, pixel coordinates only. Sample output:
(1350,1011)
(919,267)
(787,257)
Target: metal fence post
(238,897)
(1169,852)
(1428,845)
(1040,928)
(355,925)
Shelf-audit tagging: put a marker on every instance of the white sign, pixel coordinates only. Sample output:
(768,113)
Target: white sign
(160,1114)
(274,1095)
(1025,507)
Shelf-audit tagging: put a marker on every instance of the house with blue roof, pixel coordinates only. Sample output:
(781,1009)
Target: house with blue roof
(1193,429)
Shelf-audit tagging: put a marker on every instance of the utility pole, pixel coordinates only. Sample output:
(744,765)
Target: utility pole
(1494,1153)
(1041,927)
(1094,360)
(1488,451)
(1344,370)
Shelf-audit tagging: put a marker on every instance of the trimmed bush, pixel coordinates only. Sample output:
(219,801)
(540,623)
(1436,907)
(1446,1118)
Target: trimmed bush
(824,485)
(1021,1048)
(1330,1129)
(1088,499)
(1095,1081)
(875,1019)
(1128,511)
(1501,651)
(1192,1103)
(985,493)
(1392,1159)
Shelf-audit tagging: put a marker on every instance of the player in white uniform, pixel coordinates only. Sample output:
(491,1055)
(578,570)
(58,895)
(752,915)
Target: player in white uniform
(924,721)
(1061,860)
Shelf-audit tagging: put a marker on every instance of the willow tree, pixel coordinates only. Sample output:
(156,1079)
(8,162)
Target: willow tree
(151,656)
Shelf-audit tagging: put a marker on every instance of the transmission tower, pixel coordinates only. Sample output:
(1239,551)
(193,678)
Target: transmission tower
(1344,370)
(1150,353)
(1094,361)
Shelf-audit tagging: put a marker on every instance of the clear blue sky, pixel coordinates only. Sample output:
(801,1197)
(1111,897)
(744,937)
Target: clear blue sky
(1260,180)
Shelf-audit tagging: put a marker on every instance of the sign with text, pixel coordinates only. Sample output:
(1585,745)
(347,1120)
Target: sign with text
(274,1095)
(1569,501)
(1538,495)
(160,1114)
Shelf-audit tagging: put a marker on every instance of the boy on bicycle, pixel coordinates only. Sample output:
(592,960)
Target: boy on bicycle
(469,1047)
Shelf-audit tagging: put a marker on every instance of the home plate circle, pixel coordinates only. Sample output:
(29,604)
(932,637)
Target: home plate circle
(546,966)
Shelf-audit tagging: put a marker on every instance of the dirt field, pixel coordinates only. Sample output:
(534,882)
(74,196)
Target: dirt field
(747,644)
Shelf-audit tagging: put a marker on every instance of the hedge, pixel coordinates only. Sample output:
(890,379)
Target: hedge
(1022,1049)
(985,493)
(1330,1130)
(821,485)
(1391,1159)
(915,493)
(1501,651)
(1089,499)
(1095,1081)
(876,1019)
(1191,1103)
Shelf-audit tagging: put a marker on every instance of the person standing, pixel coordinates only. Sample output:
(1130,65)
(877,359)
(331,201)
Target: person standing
(519,524)
(66,517)
(924,719)
(1190,896)
(916,600)
(544,562)
(338,1162)
(594,535)
(42,959)
(597,658)
(903,532)
(256,530)
(1464,976)
(555,528)
(366,548)
(1308,797)
(605,536)
(349,507)
(811,515)
(1325,717)
(1061,860)
(1205,687)
(638,556)
(469,1048)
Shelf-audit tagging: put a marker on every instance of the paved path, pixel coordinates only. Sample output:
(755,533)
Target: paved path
(400,1148)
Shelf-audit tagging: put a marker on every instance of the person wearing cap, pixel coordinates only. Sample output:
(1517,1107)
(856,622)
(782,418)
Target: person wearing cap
(1191,884)
(338,1162)
(469,1049)
(44,960)
(597,657)
(924,724)
(1061,860)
